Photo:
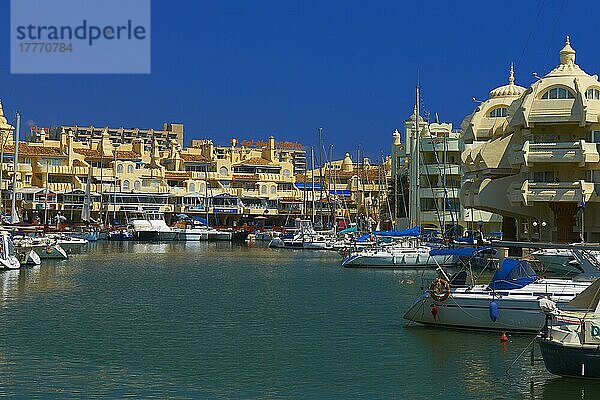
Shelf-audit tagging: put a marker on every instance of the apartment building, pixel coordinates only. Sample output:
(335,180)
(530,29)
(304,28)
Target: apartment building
(533,155)
(440,177)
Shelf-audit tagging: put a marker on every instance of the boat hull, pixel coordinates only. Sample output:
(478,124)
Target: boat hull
(386,260)
(154,236)
(469,308)
(571,361)
(192,236)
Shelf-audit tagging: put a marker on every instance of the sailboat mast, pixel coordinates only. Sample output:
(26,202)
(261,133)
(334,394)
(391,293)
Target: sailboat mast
(312,185)
(14,216)
(415,181)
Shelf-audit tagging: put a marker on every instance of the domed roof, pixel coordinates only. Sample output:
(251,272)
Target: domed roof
(347,163)
(413,116)
(567,64)
(510,90)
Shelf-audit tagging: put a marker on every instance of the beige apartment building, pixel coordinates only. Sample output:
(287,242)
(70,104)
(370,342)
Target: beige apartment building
(230,186)
(532,155)
(149,137)
(440,171)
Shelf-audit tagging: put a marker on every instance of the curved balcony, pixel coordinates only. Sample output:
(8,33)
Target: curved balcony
(580,152)
(528,192)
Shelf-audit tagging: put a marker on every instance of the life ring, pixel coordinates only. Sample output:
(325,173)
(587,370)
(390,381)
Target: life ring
(439,290)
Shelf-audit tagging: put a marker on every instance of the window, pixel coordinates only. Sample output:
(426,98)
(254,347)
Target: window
(592,94)
(125,184)
(498,112)
(130,169)
(286,173)
(223,171)
(202,187)
(137,186)
(27,160)
(544,176)
(192,187)
(558,93)
(263,190)
(273,189)
(28,179)
(595,137)
(119,168)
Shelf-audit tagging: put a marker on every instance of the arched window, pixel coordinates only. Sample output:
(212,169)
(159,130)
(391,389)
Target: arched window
(223,171)
(558,93)
(119,168)
(592,94)
(125,184)
(130,169)
(286,173)
(137,186)
(202,188)
(263,189)
(273,189)
(498,112)
(192,187)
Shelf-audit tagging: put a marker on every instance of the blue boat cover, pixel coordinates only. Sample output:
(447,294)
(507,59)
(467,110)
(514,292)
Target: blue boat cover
(465,239)
(463,251)
(363,238)
(414,231)
(203,221)
(513,274)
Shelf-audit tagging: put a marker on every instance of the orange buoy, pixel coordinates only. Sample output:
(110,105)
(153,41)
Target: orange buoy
(504,338)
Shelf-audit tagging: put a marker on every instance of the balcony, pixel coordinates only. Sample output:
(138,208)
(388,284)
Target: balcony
(434,169)
(580,152)
(430,145)
(529,192)
(439,192)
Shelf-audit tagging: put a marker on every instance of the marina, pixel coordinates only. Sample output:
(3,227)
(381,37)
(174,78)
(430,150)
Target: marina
(289,200)
(256,324)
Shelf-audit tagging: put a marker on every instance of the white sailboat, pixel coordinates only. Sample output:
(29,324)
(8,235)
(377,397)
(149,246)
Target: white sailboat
(508,302)
(8,260)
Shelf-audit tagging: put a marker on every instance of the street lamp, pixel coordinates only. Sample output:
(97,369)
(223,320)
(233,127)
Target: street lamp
(541,225)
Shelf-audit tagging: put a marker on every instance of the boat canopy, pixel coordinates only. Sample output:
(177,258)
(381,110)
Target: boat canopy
(414,231)
(465,239)
(513,274)
(463,251)
(203,221)
(363,238)
(349,230)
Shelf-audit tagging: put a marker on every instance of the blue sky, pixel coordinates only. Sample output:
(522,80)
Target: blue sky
(249,69)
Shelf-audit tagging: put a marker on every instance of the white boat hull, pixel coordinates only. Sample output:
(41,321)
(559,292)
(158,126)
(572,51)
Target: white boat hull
(384,259)
(470,309)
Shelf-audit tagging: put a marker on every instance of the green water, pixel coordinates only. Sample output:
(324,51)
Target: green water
(213,320)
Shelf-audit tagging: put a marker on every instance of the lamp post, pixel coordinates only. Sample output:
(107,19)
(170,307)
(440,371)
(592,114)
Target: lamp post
(540,225)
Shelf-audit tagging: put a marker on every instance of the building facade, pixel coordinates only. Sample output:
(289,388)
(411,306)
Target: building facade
(229,186)
(440,176)
(533,155)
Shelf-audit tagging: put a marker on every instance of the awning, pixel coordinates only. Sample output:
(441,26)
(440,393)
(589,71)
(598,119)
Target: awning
(309,186)
(340,192)
(463,251)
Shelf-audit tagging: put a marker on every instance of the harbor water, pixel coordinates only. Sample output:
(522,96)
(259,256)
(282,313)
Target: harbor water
(216,320)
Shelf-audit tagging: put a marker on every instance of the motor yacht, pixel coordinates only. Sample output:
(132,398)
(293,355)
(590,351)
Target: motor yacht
(151,226)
